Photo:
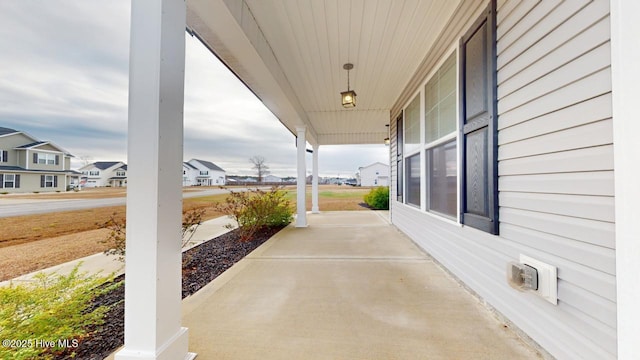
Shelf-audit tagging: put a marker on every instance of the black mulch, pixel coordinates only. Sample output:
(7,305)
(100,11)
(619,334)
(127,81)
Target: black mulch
(200,265)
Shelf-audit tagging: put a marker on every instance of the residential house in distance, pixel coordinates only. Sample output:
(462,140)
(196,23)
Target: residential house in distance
(208,173)
(272,179)
(30,165)
(189,174)
(376,174)
(104,173)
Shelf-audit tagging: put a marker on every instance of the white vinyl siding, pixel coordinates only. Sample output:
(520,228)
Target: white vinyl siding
(556,180)
(556,160)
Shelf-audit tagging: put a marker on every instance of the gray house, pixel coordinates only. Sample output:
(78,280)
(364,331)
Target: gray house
(513,139)
(28,164)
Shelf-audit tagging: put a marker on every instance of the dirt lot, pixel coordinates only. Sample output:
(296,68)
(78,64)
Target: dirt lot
(34,242)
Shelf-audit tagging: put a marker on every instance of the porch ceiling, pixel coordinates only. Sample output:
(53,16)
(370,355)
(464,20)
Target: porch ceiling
(290,54)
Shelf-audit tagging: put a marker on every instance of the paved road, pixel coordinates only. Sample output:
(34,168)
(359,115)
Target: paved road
(9,207)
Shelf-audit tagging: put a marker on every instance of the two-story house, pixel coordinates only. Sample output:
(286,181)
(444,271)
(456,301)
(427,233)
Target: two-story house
(104,173)
(376,174)
(28,164)
(207,173)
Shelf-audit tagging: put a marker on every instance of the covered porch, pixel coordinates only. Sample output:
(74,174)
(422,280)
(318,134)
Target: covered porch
(349,286)
(364,295)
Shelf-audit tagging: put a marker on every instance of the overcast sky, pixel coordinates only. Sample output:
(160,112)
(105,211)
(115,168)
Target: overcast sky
(64,78)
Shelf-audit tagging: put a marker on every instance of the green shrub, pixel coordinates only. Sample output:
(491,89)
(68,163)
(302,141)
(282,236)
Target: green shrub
(378,198)
(42,315)
(256,209)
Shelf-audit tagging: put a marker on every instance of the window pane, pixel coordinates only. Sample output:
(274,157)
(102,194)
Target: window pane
(443,187)
(412,125)
(413,180)
(440,101)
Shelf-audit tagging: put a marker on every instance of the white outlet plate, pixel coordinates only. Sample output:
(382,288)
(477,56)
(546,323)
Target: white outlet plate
(547,279)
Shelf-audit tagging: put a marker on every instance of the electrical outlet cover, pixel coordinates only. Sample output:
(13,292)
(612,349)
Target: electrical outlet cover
(547,279)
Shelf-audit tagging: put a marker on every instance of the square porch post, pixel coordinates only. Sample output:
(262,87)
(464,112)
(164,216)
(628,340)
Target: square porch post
(154,195)
(301,204)
(625,30)
(314,182)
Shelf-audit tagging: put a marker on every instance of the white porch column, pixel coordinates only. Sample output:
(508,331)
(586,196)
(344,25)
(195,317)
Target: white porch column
(625,57)
(314,183)
(301,205)
(154,195)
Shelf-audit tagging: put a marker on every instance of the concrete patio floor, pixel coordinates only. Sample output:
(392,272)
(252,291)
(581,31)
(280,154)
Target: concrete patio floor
(349,286)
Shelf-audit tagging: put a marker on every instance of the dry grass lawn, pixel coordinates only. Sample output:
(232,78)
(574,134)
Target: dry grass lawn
(35,242)
(27,257)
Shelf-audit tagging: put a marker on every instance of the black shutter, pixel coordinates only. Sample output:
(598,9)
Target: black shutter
(1,181)
(41,181)
(478,107)
(17,182)
(399,149)
(55,181)
(35,158)
(5,156)
(57,159)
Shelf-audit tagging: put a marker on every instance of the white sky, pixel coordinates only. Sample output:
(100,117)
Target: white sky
(64,78)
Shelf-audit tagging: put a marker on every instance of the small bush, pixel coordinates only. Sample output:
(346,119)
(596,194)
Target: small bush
(256,209)
(51,310)
(191,220)
(378,198)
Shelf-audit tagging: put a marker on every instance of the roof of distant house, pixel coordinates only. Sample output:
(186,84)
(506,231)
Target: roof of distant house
(21,169)
(190,166)
(26,146)
(375,163)
(103,165)
(209,164)
(5,131)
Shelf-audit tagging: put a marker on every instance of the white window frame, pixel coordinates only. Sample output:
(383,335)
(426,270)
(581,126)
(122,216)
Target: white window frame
(422,149)
(46,158)
(94,173)
(121,173)
(48,181)
(5,181)
(2,159)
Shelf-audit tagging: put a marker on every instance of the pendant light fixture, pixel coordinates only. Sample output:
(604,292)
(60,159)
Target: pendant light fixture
(349,96)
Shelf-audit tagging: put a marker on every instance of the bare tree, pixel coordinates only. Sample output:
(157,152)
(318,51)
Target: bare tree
(259,166)
(86,159)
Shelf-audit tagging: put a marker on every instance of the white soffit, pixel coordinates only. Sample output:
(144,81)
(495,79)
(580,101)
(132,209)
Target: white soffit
(302,44)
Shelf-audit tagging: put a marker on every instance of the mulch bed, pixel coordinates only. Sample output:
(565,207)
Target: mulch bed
(200,265)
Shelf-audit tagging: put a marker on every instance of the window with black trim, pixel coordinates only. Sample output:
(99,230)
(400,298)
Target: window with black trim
(478,125)
(10,181)
(48,181)
(46,158)
(399,157)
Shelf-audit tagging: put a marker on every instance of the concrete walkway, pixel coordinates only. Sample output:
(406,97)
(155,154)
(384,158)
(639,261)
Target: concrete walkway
(350,286)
